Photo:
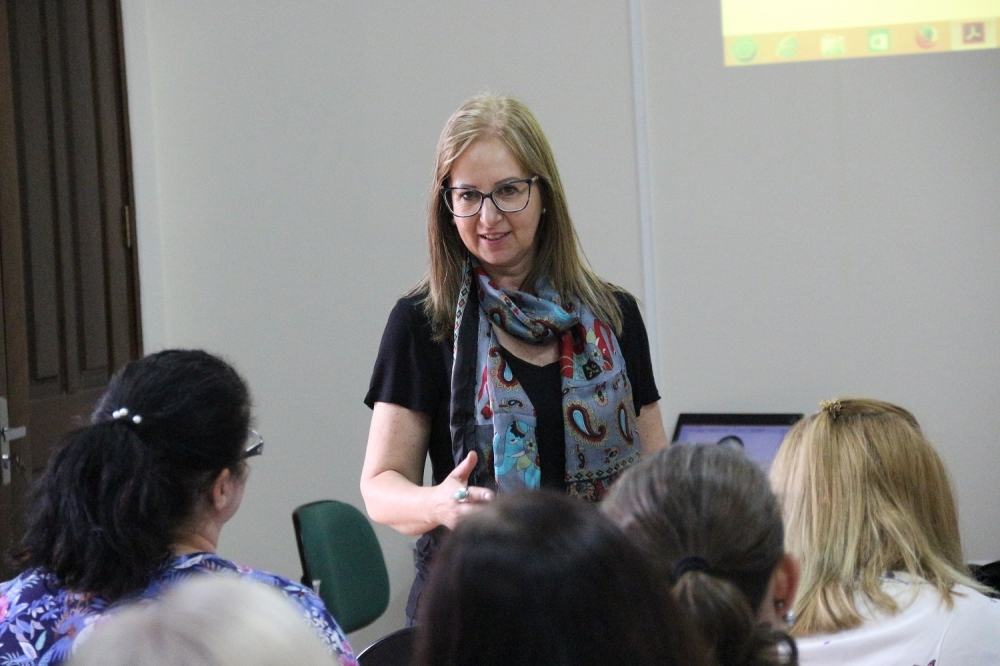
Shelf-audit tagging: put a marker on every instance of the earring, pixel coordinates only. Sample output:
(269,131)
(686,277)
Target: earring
(788,616)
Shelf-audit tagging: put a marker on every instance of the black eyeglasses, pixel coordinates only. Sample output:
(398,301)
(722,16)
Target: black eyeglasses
(511,197)
(255,445)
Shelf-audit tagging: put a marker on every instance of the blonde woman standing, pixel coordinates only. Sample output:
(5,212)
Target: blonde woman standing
(512,365)
(870,514)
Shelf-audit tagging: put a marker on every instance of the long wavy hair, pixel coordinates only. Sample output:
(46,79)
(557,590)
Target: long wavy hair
(864,494)
(103,515)
(557,255)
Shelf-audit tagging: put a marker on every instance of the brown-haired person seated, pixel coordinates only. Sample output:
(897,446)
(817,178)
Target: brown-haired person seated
(871,515)
(134,502)
(539,578)
(706,517)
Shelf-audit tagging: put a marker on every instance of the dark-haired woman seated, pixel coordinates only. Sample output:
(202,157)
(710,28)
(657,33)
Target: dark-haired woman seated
(539,578)
(706,516)
(134,502)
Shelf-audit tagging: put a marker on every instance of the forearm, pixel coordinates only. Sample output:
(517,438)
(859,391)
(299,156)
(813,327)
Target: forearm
(394,500)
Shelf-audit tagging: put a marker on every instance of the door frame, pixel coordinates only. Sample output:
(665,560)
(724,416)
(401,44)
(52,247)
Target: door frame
(13,338)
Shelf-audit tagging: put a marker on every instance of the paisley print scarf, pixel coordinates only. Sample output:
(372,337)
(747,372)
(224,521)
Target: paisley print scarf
(490,410)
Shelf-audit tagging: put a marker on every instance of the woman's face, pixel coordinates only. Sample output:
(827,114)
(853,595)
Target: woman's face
(504,243)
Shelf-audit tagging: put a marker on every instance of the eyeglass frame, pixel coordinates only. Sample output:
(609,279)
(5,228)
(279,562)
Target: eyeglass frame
(483,196)
(255,449)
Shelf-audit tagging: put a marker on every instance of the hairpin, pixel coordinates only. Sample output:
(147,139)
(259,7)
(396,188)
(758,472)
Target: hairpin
(122,413)
(832,407)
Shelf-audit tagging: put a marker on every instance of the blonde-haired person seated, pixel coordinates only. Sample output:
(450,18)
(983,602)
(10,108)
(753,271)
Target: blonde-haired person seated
(206,620)
(706,518)
(870,514)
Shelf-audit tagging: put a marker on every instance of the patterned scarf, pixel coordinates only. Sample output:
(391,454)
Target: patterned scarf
(491,413)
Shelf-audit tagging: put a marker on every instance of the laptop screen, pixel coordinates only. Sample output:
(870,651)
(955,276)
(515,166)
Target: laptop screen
(759,435)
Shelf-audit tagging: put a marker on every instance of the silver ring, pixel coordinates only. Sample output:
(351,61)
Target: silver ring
(460,494)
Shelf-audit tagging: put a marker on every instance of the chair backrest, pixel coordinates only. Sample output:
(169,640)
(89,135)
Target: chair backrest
(395,649)
(342,560)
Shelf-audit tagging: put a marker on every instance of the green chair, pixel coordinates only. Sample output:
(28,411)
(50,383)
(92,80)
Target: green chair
(342,560)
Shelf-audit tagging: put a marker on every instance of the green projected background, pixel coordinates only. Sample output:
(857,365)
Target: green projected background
(757,32)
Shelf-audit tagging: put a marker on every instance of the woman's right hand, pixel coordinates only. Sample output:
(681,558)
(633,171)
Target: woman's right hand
(393,473)
(448,509)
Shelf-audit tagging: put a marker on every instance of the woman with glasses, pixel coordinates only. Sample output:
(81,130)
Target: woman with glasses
(511,364)
(136,501)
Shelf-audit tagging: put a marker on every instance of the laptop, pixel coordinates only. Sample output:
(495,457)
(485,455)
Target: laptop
(759,435)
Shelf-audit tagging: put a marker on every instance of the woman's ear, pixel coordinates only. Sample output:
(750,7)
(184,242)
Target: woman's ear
(225,493)
(781,590)
(786,581)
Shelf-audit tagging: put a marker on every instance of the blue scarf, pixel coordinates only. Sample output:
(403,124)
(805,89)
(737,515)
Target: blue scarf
(491,413)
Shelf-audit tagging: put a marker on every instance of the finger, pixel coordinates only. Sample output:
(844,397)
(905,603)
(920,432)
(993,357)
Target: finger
(477,494)
(464,469)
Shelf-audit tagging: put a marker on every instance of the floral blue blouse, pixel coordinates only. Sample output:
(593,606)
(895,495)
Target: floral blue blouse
(39,620)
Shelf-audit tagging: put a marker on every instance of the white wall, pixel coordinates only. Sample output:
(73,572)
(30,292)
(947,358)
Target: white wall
(818,229)
(831,228)
(282,156)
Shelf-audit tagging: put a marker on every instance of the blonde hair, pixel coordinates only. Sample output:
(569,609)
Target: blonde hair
(558,255)
(206,620)
(864,494)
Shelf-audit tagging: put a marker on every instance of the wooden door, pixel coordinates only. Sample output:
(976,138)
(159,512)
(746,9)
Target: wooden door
(70,287)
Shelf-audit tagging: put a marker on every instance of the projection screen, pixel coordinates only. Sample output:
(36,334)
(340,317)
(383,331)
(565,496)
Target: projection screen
(757,32)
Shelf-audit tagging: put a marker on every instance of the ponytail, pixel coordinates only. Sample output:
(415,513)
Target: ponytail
(115,496)
(706,516)
(729,625)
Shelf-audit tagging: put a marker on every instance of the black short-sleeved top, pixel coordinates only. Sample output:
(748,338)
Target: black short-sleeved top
(414,371)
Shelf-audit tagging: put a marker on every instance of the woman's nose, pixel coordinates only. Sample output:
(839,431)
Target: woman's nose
(489,212)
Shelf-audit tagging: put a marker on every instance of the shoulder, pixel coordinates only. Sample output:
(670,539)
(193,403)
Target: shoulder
(408,320)
(39,620)
(969,600)
(308,602)
(627,302)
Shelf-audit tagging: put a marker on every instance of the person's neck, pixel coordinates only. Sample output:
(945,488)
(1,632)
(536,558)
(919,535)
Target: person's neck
(195,542)
(513,281)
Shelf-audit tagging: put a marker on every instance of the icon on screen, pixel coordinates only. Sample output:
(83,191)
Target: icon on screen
(927,36)
(878,40)
(745,49)
(788,47)
(832,45)
(974,33)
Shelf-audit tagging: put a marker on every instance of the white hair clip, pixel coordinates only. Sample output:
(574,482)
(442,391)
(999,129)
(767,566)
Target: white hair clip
(122,412)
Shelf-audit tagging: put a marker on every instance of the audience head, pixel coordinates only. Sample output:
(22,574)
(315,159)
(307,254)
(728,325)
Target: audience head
(168,430)
(706,517)
(540,578)
(206,620)
(863,494)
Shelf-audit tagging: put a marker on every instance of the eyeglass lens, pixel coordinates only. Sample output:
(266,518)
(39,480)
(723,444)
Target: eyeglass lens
(510,198)
(255,445)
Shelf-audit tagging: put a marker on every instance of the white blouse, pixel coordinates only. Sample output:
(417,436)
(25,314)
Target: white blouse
(924,633)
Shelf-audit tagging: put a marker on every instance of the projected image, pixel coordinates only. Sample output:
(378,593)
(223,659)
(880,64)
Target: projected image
(758,32)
